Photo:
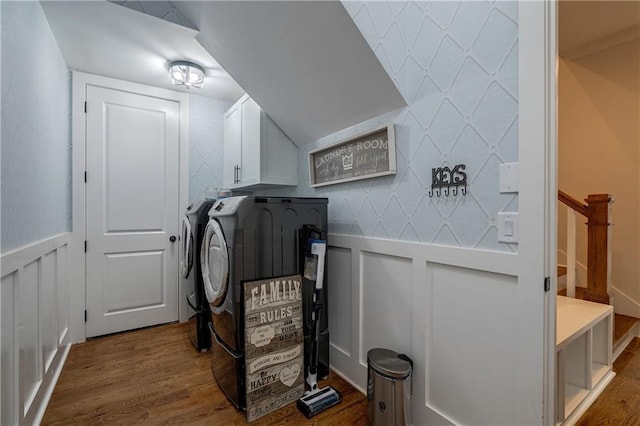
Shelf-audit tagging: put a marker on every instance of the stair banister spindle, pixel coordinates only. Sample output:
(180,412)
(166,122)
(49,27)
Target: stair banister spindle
(571,253)
(609,248)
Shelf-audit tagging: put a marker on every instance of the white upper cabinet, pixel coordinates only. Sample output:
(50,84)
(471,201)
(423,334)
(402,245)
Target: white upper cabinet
(257,154)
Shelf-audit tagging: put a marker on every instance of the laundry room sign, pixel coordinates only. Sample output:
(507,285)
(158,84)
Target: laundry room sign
(367,155)
(274,351)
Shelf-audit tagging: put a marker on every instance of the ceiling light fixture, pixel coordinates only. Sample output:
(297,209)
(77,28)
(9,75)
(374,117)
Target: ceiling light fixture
(187,74)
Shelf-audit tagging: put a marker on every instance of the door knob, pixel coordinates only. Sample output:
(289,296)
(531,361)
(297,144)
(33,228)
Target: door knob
(172,238)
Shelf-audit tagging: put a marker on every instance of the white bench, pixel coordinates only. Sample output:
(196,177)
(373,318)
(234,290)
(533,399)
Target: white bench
(583,355)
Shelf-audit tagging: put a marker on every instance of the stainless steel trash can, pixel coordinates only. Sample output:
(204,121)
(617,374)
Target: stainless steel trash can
(388,388)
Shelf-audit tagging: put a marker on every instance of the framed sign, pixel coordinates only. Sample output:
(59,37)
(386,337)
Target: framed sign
(274,344)
(368,155)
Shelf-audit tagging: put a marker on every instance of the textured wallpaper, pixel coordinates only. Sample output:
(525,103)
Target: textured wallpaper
(166,10)
(456,64)
(206,132)
(36,129)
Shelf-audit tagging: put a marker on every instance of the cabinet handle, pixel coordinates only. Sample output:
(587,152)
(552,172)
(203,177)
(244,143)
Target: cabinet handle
(235,174)
(238,174)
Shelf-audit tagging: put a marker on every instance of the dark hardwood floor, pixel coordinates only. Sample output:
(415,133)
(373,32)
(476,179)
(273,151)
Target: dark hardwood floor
(619,404)
(155,376)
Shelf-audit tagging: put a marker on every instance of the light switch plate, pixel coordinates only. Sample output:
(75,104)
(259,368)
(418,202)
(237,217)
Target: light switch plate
(508,227)
(509,177)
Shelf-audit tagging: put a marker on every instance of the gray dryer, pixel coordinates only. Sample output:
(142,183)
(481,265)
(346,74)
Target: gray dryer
(250,238)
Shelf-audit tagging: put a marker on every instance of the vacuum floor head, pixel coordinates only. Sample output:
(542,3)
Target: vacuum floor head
(318,401)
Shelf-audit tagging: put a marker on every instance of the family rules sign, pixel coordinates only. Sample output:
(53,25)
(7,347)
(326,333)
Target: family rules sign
(368,155)
(274,352)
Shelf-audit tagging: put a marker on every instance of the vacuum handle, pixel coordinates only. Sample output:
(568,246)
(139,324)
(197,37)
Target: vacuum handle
(313,363)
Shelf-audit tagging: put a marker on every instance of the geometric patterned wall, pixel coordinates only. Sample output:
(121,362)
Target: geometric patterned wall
(36,129)
(206,114)
(166,10)
(456,65)
(206,133)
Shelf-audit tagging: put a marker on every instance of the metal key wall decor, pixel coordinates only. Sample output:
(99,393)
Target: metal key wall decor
(444,179)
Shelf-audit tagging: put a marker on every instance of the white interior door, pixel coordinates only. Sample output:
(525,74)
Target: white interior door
(132,157)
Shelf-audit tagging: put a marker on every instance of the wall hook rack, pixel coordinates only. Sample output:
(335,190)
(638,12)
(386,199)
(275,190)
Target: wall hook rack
(444,177)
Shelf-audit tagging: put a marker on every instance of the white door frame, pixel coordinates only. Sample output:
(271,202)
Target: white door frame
(537,153)
(77,271)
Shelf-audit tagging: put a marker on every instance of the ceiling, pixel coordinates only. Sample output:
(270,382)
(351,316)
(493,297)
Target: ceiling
(587,26)
(104,38)
(304,62)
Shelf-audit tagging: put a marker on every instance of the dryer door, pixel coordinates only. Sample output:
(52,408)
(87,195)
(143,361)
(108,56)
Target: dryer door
(186,248)
(214,260)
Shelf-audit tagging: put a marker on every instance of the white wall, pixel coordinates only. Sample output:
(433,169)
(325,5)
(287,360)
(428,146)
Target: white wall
(206,133)
(599,152)
(36,138)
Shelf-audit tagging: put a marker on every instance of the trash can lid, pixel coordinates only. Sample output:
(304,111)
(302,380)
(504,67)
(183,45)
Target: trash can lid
(389,363)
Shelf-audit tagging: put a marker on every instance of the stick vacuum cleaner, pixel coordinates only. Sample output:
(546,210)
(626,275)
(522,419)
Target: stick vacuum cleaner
(316,400)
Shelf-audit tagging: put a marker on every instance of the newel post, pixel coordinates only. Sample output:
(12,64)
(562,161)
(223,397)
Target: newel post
(597,252)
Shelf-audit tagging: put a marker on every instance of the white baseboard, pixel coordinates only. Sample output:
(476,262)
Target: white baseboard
(348,380)
(624,304)
(50,384)
(581,268)
(626,339)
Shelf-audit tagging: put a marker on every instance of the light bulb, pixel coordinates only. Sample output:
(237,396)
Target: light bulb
(177,75)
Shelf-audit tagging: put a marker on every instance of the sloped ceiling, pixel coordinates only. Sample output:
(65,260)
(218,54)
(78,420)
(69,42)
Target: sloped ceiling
(587,26)
(166,10)
(106,39)
(305,62)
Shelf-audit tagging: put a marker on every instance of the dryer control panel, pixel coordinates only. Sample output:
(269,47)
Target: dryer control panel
(226,206)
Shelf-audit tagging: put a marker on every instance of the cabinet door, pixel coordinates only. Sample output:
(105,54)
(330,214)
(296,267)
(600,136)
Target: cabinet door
(251,135)
(232,146)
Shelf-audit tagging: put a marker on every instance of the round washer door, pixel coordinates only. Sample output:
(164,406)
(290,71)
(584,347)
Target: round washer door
(186,246)
(214,260)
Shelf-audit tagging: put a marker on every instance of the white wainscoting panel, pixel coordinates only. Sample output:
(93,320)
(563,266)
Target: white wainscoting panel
(28,333)
(8,347)
(48,308)
(447,308)
(386,303)
(63,293)
(339,260)
(464,304)
(35,324)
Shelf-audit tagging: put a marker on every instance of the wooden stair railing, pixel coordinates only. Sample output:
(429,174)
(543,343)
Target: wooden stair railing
(598,231)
